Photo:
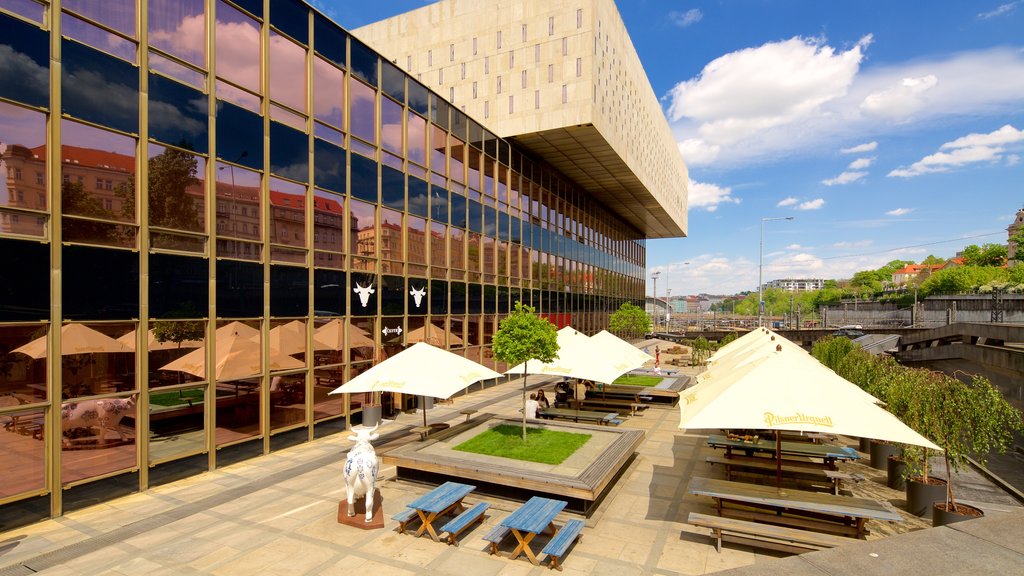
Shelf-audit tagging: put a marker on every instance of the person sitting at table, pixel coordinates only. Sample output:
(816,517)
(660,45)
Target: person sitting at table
(542,400)
(562,394)
(581,389)
(531,407)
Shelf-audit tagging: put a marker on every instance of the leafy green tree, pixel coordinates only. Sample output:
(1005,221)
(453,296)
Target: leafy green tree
(629,320)
(985,255)
(932,260)
(178,331)
(171,174)
(700,351)
(523,336)
(1017,240)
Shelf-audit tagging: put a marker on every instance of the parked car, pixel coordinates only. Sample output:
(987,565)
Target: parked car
(850,333)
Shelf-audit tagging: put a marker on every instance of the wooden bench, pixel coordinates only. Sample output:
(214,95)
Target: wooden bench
(404,518)
(580,415)
(795,471)
(422,431)
(495,536)
(764,535)
(455,526)
(468,412)
(557,546)
(633,407)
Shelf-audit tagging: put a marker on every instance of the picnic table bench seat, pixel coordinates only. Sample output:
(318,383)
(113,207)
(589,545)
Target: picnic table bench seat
(557,546)
(632,406)
(495,536)
(456,525)
(793,471)
(764,535)
(579,415)
(405,517)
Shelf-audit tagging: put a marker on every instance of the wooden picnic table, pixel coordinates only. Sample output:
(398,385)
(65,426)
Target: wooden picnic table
(440,501)
(577,415)
(827,453)
(630,405)
(814,510)
(535,516)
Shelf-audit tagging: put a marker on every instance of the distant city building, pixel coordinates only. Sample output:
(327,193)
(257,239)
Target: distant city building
(1018,222)
(797,284)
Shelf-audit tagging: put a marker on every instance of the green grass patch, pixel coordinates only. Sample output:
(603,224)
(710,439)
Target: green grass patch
(177,397)
(541,445)
(638,380)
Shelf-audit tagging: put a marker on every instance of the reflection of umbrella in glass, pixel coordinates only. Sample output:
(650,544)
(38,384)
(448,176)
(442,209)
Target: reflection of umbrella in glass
(422,370)
(75,338)
(154,344)
(433,335)
(329,336)
(237,357)
(236,327)
(289,338)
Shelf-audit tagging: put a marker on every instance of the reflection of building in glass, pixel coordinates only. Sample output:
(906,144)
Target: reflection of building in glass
(245,214)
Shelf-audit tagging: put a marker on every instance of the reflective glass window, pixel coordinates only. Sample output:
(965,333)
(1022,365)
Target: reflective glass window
(418,197)
(238,212)
(457,304)
(362,116)
(476,216)
(416,127)
(328,294)
(328,166)
(329,134)
(438,156)
(239,135)
(328,93)
(439,204)
(23,467)
(292,18)
(457,249)
(177,114)
(364,62)
(23,172)
(328,221)
(98,170)
(456,149)
(26,8)
(176,70)
(392,188)
(28,298)
(364,178)
(392,81)
(438,245)
(287,72)
(100,283)
(363,235)
(116,14)
(392,295)
(238,47)
(363,295)
(391,125)
(178,27)
(289,292)
(391,243)
(99,88)
(243,98)
(178,286)
(329,39)
(289,152)
(418,97)
(438,297)
(287,117)
(417,237)
(25,53)
(177,192)
(473,168)
(254,7)
(80,459)
(287,213)
(458,210)
(239,289)
(176,422)
(97,37)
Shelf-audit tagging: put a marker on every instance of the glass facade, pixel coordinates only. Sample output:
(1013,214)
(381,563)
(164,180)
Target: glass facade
(176,288)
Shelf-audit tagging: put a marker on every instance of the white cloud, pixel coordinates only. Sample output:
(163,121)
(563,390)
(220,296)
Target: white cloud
(709,196)
(860,148)
(786,202)
(815,204)
(901,101)
(844,178)
(1012,159)
(697,152)
(899,211)
(794,247)
(861,163)
(999,10)
(684,19)
(849,245)
(970,149)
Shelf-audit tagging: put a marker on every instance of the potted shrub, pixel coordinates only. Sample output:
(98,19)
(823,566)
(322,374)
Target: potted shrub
(914,396)
(896,468)
(880,452)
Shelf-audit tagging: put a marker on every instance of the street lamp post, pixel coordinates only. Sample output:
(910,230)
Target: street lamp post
(655,276)
(760,266)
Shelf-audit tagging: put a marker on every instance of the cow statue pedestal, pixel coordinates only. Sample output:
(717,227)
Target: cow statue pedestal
(359,520)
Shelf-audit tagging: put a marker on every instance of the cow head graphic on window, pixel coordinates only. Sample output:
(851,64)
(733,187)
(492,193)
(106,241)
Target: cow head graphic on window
(417,295)
(364,293)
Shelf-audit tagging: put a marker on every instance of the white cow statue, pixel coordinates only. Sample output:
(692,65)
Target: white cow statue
(103,415)
(361,470)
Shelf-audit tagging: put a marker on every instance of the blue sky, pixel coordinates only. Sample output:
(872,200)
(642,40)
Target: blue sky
(888,130)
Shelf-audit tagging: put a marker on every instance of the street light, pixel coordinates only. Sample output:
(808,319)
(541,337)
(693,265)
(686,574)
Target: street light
(760,266)
(655,276)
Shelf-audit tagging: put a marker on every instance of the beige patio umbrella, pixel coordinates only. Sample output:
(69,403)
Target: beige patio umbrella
(75,338)
(237,357)
(625,354)
(433,335)
(289,338)
(329,336)
(236,327)
(577,358)
(153,344)
(422,370)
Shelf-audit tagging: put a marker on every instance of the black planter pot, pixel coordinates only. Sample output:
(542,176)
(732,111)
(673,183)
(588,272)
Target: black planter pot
(372,414)
(880,452)
(942,517)
(921,496)
(865,445)
(896,471)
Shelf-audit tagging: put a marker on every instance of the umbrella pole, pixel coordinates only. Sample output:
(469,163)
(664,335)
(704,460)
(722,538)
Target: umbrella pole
(423,406)
(778,459)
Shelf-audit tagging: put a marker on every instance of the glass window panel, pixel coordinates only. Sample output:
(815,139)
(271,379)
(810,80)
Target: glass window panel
(328,93)
(363,235)
(362,100)
(100,283)
(438,245)
(238,192)
(287,401)
(238,47)
(418,197)
(392,81)
(287,213)
(456,150)
(26,8)
(175,70)
(364,62)
(392,298)
(254,7)
(392,188)
(245,99)
(23,467)
(98,170)
(389,159)
(79,459)
(239,135)
(439,301)
(328,300)
(329,39)
(418,97)
(289,296)
(457,305)
(439,204)
(28,298)
(286,116)
(116,14)
(177,114)
(329,134)
(363,296)
(390,125)
(359,147)
(99,88)
(438,140)
(473,167)
(476,216)
(328,221)
(390,234)
(417,249)
(97,37)
(177,423)
(416,128)
(287,72)
(176,189)
(457,249)
(289,152)
(25,50)
(364,178)
(458,210)
(292,18)
(328,166)
(178,27)
(178,286)
(239,289)
(23,172)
